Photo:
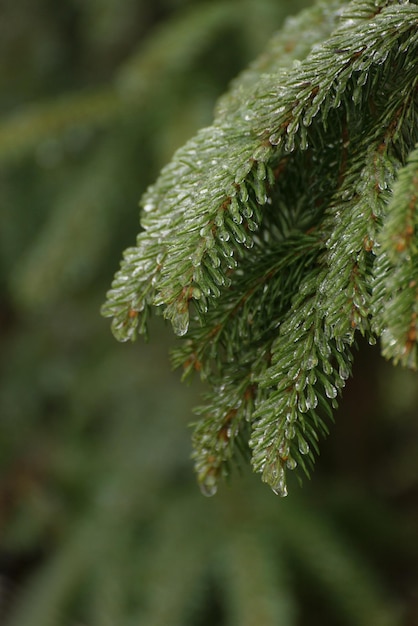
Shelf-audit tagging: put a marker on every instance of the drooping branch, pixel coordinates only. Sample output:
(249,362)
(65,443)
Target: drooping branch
(277,233)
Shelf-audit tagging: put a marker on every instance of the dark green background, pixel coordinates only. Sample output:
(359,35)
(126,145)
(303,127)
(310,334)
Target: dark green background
(101,522)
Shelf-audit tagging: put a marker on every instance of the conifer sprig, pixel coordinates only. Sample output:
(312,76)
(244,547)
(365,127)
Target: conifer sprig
(396,288)
(280,231)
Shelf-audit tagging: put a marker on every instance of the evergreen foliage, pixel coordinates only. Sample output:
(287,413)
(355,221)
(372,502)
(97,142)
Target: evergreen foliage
(283,231)
(100,520)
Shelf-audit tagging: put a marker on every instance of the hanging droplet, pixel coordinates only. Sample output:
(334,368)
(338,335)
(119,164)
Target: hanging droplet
(214,258)
(304,142)
(148,206)
(330,390)
(237,232)
(261,171)
(309,115)
(344,371)
(253,226)
(243,192)
(300,383)
(180,322)
(290,143)
(291,416)
(311,398)
(209,486)
(219,219)
(290,431)
(284,448)
(205,231)
(280,488)
(311,361)
(274,474)
(327,367)
(249,115)
(223,234)
(312,377)
(234,209)
(276,138)
(197,258)
(242,171)
(302,404)
(291,463)
(303,446)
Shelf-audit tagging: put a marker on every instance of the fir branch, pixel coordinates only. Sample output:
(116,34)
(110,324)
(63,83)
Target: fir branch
(316,23)
(306,151)
(191,217)
(395,287)
(233,349)
(308,370)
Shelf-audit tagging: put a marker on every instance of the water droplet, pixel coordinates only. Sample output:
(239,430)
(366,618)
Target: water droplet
(197,258)
(219,219)
(249,115)
(311,398)
(253,226)
(291,417)
(209,486)
(148,206)
(180,322)
(274,475)
(215,260)
(290,431)
(311,362)
(300,383)
(291,463)
(261,171)
(303,446)
(243,193)
(330,390)
(312,377)
(204,231)
(344,371)
(223,235)
(276,138)
(247,211)
(280,488)
(327,367)
(237,232)
(242,171)
(302,404)
(234,210)
(290,143)
(304,142)
(284,448)
(347,194)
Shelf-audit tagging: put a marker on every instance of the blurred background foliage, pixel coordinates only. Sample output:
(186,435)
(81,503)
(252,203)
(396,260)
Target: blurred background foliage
(101,523)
